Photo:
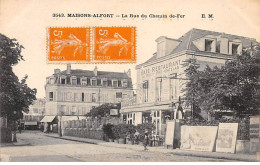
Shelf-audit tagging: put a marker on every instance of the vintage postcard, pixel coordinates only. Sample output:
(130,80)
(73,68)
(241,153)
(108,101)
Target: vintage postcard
(129,81)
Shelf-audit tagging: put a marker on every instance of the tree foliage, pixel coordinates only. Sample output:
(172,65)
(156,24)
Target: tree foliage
(234,86)
(103,110)
(15,95)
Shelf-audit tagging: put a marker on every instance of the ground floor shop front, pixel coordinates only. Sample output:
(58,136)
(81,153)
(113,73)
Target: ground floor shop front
(157,114)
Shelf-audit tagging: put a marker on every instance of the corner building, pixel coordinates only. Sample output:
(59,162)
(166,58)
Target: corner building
(76,92)
(161,79)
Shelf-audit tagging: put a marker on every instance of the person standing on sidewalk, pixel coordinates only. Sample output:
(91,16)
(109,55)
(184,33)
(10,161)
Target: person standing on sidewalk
(146,139)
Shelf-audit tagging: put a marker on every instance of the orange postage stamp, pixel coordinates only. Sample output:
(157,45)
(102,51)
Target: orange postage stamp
(114,44)
(69,44)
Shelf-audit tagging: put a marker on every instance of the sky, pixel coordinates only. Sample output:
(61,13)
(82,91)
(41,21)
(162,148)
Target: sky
(28,21)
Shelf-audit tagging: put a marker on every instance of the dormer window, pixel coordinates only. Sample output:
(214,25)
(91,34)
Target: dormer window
(94,82)
(235,49)
(208,45)
(74,80)
(99,82)
(51,80)
(83,81)
(63,80)
(115,83)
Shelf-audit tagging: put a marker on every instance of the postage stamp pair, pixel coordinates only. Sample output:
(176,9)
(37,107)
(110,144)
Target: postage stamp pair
(91,45)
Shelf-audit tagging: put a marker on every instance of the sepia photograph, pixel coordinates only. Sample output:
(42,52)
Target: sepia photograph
(129,81)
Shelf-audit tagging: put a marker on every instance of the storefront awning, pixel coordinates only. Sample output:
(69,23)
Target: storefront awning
(48,119)
(30,123)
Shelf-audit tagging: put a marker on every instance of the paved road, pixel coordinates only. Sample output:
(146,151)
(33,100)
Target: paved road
(47,149)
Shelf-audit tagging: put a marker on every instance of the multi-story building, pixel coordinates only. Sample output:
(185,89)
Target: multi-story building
(160,79)
(31,120)
(76,92)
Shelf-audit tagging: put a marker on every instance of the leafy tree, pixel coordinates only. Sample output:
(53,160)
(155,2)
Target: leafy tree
(234,86)
(15,96)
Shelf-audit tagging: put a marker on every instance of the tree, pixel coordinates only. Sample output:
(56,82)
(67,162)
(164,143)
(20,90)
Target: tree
(234,86)
(15,95)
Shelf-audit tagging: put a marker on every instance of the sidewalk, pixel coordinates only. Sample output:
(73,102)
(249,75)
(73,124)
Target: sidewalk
(214,155)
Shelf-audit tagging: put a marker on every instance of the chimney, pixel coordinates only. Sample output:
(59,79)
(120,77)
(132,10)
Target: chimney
(95,70)
(68,68)
(166,45)
(128,73)
(56,71)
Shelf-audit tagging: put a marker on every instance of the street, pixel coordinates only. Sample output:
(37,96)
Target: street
(40,148)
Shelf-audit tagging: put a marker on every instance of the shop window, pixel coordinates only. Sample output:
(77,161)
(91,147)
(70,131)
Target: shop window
(208,45)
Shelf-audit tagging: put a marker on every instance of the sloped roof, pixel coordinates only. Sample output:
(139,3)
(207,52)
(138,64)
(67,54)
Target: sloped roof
(194,34)
(100,74)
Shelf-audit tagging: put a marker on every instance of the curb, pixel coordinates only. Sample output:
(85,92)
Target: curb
(172,152)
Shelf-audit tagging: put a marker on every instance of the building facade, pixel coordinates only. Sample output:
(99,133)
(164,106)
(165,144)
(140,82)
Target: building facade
(76,92)
(161,79)
(31,120)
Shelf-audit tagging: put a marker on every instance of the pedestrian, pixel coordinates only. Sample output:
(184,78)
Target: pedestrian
(20,128)
(136,137)
(146,139)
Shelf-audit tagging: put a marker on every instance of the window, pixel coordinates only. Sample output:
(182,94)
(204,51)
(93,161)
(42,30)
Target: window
(104,83)
(35,110)
(115,83)
(125,84)
(51,96)
(51,80)
(159,89)
(84,82)
(82,97)
(99,82)
(94,82)
(235,49)
(208,45)
(74,81)
(145,90)
(74,110)
(109,83)
(94,97)
(118,94)
(119,83)
(68,80)
(63,81)
(78,81)
(88,81)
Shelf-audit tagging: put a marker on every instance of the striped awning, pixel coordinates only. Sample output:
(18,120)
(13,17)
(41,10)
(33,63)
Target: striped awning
(48,119)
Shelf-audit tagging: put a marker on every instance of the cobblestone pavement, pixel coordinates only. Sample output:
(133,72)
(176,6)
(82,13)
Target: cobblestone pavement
(34,146)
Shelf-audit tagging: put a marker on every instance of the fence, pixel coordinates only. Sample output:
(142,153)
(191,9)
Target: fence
(87,128)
